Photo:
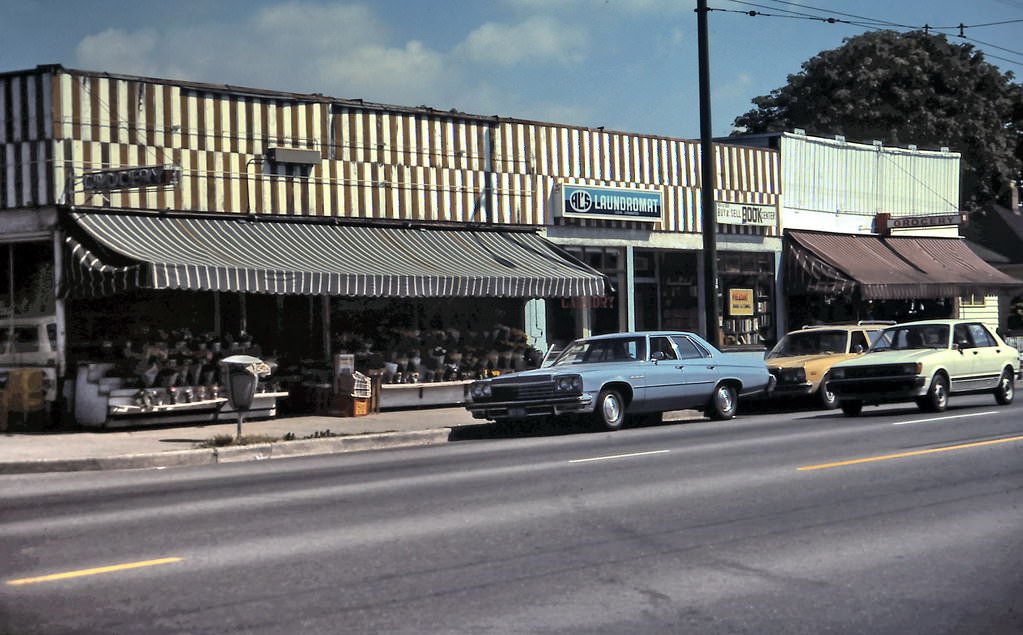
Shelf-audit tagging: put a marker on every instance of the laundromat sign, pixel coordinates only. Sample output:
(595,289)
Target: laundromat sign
(746,214)
(578,201)
(151,176)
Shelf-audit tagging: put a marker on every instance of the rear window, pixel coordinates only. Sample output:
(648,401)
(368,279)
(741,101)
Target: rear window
(26,339)
(19,339)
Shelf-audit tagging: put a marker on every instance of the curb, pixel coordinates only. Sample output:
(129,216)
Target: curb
(171,458)
(255,452)
(331,445)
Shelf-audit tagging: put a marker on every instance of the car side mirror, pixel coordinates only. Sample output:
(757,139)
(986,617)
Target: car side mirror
(859,349)
(658,356)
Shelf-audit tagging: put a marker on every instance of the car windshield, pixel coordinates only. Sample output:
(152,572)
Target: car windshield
(621,349)
(810,343)
(901,338)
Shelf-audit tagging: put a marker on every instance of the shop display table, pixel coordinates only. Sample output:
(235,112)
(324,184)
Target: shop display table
(105,402)
(440,393)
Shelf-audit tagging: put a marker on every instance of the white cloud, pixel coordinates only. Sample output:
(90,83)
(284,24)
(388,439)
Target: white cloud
(340,50)
(397,75)
(537,39)
(347,51)
(314,28)
(120,51)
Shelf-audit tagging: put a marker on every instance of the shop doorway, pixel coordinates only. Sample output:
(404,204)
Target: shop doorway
(647,310)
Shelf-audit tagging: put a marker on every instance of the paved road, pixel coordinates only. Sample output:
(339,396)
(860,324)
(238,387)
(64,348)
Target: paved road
(809,522)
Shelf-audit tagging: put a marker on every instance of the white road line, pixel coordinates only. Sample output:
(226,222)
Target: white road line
(972,414)
(618,456)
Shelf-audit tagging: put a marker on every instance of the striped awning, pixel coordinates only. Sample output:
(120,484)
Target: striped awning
(116,252)
(888,268)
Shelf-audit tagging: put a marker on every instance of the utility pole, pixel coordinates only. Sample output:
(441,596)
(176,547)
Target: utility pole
(708,181)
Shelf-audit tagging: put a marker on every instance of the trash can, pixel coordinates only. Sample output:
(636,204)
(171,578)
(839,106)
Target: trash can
(240,375)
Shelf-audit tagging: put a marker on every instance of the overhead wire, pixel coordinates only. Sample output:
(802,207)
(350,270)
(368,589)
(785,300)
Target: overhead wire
(872,23)
(827,15)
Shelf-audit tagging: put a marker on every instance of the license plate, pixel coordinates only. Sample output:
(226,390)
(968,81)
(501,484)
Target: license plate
(517,413)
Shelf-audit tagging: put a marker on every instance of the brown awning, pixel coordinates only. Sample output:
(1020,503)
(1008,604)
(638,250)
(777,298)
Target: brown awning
(888,268)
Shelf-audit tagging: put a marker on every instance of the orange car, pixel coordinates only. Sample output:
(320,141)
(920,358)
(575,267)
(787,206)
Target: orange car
(800,361)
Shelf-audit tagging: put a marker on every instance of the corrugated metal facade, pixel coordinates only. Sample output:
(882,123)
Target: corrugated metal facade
(835,176)
(377,162)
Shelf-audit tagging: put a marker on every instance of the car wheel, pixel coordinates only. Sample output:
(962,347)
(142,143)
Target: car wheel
(610,412)
(722,403)
(827,399)
(936,399)
(1006,388)
(852,408)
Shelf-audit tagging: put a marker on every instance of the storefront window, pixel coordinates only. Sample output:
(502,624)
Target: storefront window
(680,307)
(568,316)
(26,277)
(747,297)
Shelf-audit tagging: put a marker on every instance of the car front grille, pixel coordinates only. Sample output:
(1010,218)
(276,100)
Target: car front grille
(535,388)
(870,386)
(866,372)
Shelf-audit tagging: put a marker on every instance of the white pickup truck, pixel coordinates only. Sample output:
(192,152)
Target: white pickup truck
(30,342)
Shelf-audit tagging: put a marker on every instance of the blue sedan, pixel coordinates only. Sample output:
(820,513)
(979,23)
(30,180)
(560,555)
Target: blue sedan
(608,378)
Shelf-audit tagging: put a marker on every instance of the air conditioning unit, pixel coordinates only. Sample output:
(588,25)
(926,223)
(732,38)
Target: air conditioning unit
(294,156)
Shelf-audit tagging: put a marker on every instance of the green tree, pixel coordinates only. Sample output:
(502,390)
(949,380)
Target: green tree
(907,88)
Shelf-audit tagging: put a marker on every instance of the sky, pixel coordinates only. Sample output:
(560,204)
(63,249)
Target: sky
(629,65)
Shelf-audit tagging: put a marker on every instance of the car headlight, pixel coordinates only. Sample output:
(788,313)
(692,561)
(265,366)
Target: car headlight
(838,373)
(793,375)
(909,369)
(568,383)
(481,390)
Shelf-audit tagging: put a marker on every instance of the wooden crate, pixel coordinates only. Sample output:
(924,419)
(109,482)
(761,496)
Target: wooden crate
(347,406)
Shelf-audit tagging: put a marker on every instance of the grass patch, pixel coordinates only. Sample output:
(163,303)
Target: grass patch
(226,440)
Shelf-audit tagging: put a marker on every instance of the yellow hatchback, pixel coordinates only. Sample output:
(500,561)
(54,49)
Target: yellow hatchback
(801,361)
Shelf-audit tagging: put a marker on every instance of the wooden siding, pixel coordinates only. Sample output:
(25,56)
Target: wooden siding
(981,308)
(376,162)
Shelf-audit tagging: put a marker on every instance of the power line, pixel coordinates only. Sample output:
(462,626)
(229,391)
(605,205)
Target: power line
(860,20)
(825,15)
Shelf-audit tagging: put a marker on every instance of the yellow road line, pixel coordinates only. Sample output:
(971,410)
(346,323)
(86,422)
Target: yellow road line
(905,454)
(84,572)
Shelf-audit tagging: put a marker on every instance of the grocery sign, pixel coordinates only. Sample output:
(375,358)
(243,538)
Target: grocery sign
(125,178)
(885,222)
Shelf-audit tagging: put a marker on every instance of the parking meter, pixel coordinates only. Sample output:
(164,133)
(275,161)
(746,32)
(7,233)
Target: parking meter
(240,375)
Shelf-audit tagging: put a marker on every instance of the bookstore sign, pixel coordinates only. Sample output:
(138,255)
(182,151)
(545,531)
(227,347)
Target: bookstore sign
(752,214)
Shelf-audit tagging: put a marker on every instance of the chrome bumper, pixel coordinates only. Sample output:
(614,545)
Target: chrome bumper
(494,410)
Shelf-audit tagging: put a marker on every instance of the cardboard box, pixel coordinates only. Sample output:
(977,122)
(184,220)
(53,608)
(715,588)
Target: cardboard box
(347,406)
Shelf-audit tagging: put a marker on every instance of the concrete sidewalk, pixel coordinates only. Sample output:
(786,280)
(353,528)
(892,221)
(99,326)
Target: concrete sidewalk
(28,450)
(32,450)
